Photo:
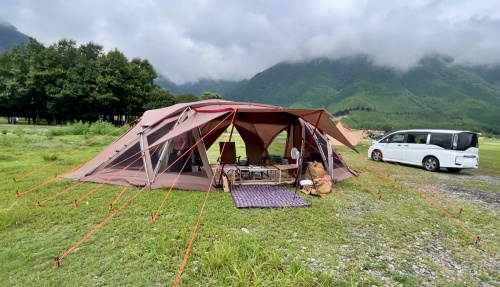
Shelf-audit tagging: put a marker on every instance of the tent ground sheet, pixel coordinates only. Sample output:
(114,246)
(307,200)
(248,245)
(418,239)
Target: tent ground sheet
(265,196)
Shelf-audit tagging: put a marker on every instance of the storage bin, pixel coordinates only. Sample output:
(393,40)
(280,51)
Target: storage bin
(275,159)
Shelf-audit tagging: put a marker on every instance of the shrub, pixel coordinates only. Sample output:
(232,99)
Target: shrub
(101,128)
(61,131)
(79,128)
(50,157)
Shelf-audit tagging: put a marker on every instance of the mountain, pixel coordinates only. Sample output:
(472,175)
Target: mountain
(10,36)
(434,94)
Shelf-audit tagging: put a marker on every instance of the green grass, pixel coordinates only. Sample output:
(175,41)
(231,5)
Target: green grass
(489,157)
(352,239)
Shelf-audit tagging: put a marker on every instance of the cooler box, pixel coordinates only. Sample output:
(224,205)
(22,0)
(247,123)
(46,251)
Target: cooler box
(273,159)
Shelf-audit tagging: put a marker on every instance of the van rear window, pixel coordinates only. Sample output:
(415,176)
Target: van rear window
(467,140)
(442,140)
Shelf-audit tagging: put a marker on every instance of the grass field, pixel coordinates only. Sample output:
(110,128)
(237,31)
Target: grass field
(353,239)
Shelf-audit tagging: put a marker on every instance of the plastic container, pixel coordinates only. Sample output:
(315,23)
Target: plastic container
(275,159)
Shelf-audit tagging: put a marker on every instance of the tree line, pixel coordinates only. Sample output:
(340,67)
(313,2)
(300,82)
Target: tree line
(67,83)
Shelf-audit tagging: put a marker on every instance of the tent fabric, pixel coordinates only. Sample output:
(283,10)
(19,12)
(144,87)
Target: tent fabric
(140,156)
(353,136)
(319,148)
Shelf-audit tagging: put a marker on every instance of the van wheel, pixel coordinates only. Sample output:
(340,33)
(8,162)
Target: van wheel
(431,163)
(454,170)
(377,155)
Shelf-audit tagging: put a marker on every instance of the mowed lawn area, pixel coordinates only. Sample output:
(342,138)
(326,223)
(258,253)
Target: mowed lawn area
(390,226)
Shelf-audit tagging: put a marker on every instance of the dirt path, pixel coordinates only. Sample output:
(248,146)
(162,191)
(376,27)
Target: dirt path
(454,186)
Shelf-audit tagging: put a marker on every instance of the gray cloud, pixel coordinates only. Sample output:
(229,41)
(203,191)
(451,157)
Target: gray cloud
(188,40)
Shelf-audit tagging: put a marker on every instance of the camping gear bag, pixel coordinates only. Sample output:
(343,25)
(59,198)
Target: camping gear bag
(322,181)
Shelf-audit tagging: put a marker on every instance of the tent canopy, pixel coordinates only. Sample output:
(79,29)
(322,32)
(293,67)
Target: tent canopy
(140,156)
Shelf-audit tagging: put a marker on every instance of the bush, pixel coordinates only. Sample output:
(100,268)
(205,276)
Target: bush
(101,128)
(50,157)
(79,128)
(61,131)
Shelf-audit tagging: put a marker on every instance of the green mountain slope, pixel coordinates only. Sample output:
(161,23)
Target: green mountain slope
(434,94)
(299,84)
(490,73)
(9,36)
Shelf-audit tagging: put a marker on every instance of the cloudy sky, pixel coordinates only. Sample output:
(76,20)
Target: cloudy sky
(233,40)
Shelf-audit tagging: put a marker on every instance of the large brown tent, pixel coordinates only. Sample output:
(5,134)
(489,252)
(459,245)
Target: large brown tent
(140,156)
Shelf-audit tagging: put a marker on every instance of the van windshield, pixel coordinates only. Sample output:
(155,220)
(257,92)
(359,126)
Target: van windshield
(466,141)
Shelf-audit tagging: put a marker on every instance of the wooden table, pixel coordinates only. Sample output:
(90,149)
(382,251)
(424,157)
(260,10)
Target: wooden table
(229,170)
(286,168)
(276,174)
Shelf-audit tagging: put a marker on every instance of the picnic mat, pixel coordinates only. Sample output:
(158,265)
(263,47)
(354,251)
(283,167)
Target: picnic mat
(265,196)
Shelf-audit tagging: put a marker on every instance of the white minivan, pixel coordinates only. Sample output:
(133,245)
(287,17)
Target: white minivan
(431,149)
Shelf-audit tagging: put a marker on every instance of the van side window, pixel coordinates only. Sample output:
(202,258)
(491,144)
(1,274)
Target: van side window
(397,138)
(441,140)
(417,138)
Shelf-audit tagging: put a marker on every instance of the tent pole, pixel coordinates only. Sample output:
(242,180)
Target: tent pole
(314,131)
(318,144)
(161,157)
(146,158)
(303,153)
(299,160)
(202,151)
(330,156)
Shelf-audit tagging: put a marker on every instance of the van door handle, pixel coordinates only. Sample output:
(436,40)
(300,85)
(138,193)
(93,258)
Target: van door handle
(405,145)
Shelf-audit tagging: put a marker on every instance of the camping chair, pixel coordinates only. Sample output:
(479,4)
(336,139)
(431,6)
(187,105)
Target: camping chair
(228,157)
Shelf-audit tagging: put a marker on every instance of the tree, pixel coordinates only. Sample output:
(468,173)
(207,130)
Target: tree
(83,76)
(186,98)
(68,83)
(63,103)
(157,98)
(8,85)
(142,92)
(111,91)
(210,95)
(22,90)
(35,81)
